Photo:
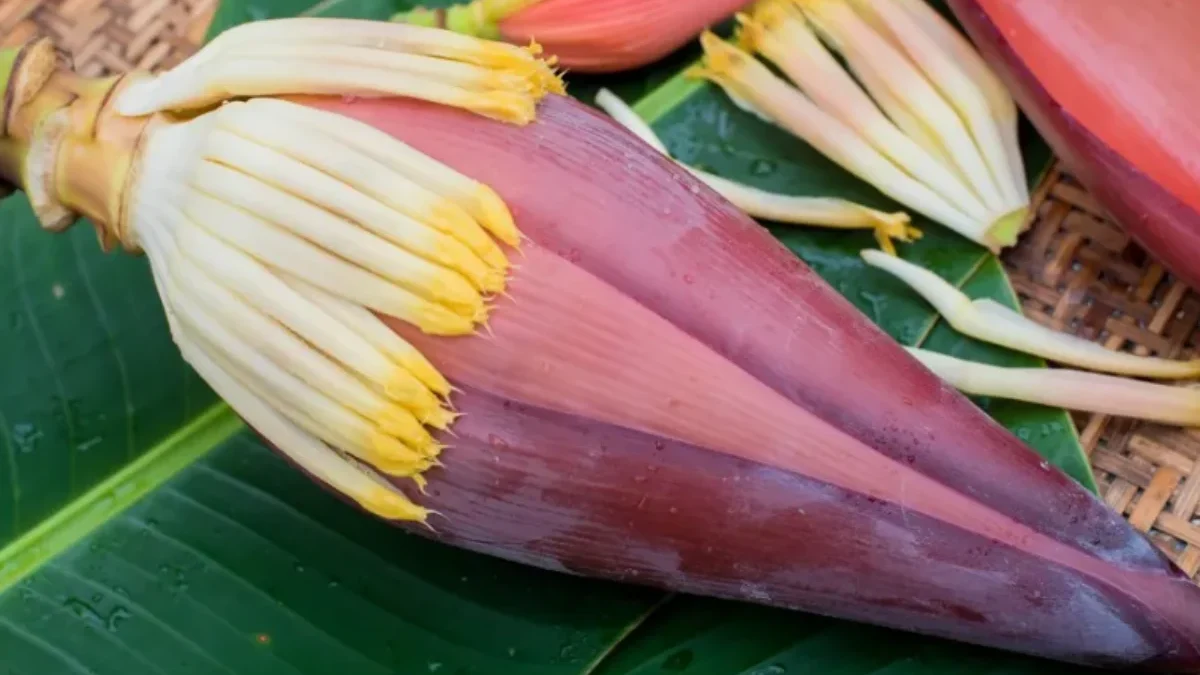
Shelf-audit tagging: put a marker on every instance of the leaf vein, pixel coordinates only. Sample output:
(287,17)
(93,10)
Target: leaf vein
(246,583)
(110,338)
(57,653)
(142,612)
(44,347)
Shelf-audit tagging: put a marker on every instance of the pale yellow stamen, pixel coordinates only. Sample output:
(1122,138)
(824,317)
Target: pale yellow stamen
(477,199)
(820,211)
(268,378)
(743,76)
(273,298)
(364,190)
(405,179)
(370,328)
(283,250)
(779,31)
(270,58)
(957,88)
(457,74)
(339,236)
(285,185)
(270,338)
(1070,389)
(1004,109)
(989,321)
(304,448)
(905,82)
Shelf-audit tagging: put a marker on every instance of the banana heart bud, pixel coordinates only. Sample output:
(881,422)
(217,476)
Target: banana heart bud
(651,388)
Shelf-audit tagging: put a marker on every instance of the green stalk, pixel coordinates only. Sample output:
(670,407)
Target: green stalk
(479,18)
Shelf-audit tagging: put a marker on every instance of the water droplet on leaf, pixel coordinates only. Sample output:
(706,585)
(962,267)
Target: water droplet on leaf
(763,167)
(679,661)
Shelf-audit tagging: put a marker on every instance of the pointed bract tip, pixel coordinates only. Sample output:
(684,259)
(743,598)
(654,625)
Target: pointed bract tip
(441,419)
(769,14)
(421,483)
(393,505)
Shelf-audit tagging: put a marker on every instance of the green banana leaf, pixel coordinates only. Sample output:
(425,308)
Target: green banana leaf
(143,529)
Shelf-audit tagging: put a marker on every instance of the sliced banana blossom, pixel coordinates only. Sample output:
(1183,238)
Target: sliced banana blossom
(819,211)
(754,87)
(952,48)
(941,126)
(279,234)
(904,80)
(989,321)
(1070,389)
(778,30)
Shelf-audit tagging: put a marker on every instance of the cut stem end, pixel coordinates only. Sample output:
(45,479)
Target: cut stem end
(1003,231)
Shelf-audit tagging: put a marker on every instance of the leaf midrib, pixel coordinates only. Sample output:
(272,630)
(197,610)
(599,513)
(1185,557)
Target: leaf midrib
(87,512)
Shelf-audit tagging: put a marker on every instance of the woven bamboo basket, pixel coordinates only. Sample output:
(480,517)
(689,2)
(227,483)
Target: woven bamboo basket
(1075,269)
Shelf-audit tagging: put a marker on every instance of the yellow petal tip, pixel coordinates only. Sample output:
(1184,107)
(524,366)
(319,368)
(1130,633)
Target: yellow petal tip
(393,505)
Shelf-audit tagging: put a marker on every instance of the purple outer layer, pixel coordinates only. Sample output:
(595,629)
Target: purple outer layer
(555,490)
(613,503)
(1168,228)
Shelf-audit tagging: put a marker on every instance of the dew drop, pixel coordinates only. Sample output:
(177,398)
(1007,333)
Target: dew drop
(763,167)
(26,437)
(679,661)
(116,617)
(435,666)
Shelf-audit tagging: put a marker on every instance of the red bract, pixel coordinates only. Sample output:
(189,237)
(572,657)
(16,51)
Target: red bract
(668,396)
(1112,87)
(589,36)
(614,35)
